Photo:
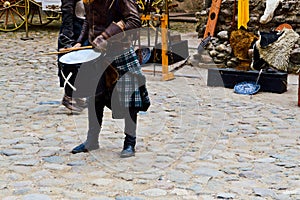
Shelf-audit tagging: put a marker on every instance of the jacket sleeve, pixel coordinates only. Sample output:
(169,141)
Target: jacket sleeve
(84,32)
(130,13)
(130,18)
(67,10)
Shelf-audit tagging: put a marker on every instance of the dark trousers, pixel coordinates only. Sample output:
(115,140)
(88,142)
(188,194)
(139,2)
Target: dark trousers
(65,70)
(95,115)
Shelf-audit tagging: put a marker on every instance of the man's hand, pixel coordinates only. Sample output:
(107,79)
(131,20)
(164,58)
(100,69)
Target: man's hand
(100,43)
(77,45)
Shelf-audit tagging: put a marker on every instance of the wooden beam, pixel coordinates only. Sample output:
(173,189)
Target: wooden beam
(212,18)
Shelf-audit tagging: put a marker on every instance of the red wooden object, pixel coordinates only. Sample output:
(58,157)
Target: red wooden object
(212,18)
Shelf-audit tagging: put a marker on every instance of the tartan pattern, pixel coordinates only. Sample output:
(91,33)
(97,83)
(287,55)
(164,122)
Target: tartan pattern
(130,79)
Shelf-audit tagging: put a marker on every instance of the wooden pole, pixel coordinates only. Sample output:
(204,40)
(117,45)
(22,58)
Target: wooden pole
(26,21)
(166,75)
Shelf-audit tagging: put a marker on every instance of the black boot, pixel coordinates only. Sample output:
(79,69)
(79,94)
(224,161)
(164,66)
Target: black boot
(128,148)
(84,148)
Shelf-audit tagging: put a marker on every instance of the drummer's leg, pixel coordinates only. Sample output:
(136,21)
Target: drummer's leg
(95,115)
(130,133)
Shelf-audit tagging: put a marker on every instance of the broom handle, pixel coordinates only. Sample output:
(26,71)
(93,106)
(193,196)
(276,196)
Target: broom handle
(258,76)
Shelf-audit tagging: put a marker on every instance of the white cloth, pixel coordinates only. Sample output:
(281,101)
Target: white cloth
(79,10)
(271,6)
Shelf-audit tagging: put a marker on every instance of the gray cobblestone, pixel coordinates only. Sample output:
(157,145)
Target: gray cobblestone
(195,142)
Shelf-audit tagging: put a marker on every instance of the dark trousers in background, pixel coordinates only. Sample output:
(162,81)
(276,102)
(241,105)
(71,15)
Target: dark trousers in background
(64,68)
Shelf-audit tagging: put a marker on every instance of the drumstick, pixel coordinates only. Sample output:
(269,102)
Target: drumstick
(68,50)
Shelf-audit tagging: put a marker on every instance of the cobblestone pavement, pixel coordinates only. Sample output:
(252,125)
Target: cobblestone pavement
(195,142)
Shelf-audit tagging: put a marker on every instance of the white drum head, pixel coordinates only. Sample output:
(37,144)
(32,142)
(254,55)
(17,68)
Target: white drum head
(80,56)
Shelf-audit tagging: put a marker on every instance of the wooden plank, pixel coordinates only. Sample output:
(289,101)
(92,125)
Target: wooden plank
(183,19)
(212,18)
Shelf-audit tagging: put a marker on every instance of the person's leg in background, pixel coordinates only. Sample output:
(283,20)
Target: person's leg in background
(69,75)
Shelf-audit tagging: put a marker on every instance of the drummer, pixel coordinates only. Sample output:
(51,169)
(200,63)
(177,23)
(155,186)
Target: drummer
(73,15)
(107,26)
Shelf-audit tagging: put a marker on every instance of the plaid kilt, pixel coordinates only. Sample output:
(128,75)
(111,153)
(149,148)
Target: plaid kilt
(130,79)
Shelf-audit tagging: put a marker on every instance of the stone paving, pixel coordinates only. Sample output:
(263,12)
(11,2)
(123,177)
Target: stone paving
(195,142)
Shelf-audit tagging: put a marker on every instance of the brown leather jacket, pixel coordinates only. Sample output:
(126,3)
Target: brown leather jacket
(100,14)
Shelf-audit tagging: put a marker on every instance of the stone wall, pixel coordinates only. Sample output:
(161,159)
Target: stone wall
(188,6)
(288,11)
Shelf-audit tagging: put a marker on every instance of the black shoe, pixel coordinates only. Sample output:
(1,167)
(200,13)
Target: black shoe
(127,152)
(83,149)
(80,148)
